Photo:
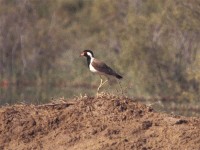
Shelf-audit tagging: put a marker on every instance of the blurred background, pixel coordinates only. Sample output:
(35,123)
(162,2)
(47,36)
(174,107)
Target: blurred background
(154,44)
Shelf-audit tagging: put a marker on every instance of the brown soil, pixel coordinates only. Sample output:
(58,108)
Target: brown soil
(106,122)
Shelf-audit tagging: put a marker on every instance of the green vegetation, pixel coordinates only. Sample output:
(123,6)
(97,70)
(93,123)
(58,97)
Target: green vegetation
(153,44)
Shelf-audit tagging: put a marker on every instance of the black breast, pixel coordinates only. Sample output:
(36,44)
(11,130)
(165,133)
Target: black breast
(88,61)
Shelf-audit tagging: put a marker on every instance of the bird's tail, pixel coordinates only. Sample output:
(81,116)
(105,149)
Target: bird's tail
(118,76)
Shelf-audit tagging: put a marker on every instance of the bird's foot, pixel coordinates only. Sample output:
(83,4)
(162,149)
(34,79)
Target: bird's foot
(101,84)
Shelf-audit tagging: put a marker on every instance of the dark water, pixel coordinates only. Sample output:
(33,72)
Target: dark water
(44,94)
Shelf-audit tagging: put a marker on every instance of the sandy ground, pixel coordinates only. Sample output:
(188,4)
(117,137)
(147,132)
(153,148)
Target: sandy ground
(106,122)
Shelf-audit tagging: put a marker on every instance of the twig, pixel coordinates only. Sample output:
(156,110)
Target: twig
(67,104)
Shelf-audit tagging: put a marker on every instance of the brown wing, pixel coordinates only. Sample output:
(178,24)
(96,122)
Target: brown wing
(102,67)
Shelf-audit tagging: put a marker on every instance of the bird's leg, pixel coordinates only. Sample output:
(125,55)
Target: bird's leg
(101,84)
(104,82)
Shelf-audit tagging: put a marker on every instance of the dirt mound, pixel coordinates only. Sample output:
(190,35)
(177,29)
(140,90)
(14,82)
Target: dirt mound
(104,122)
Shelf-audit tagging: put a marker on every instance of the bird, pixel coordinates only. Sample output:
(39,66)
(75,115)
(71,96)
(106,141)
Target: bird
(99,67)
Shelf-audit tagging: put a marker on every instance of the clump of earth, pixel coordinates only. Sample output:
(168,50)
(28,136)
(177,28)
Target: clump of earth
(95,123)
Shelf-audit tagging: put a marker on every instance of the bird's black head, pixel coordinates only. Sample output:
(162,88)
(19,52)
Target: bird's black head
(87,53)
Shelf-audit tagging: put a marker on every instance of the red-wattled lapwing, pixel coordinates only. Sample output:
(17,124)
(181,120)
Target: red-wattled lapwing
(99,67)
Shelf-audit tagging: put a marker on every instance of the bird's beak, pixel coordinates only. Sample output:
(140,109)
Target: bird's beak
(82,54)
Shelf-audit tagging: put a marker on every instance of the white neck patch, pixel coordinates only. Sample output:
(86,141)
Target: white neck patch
(89,54)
